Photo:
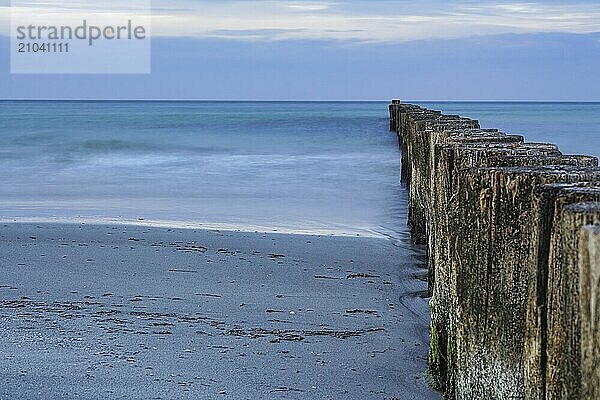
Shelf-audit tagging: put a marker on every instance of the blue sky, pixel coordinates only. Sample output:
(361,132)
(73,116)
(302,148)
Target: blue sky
(348,50)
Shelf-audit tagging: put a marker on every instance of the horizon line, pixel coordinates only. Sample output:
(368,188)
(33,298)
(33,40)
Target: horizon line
(290,100)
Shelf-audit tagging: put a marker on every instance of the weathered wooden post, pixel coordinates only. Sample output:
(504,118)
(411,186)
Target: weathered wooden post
(589,288)
(564,355)
(489,276)
(512,234)
(452,157)
(546,221)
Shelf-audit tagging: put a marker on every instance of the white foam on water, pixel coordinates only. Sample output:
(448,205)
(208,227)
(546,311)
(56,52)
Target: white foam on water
(338,230)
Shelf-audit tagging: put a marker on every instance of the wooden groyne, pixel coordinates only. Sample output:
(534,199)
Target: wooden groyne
(513,237)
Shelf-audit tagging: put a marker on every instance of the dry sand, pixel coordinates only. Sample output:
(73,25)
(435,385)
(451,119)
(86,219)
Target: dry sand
(98,312)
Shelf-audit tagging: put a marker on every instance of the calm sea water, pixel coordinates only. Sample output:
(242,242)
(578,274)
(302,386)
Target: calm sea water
(329,167)
(305,167)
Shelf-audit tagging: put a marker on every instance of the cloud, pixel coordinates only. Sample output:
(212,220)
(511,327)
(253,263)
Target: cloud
(375,20)
(309,6)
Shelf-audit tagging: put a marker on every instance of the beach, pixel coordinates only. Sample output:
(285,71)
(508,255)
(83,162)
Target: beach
(133,263)
(122,311)
(216,200)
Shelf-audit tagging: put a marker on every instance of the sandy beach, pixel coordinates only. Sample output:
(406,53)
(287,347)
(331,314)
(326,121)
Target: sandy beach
(93,311)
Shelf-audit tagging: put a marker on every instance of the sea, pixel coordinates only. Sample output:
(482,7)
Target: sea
(292,167)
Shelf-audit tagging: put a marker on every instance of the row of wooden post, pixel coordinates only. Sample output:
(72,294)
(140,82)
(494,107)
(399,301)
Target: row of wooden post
(513,236)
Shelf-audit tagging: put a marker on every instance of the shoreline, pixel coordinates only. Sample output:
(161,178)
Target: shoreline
(345,231)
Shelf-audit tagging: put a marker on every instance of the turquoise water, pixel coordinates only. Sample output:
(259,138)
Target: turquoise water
(329,167)
(307,167)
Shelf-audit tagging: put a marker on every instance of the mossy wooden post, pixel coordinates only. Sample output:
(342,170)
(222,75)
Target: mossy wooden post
(409,116)
(441,168)
(414,126)
(564,369)
(489,281)
(544,199)
(421,173)
(589,287)
(450,158)
(477,148)
(544,203)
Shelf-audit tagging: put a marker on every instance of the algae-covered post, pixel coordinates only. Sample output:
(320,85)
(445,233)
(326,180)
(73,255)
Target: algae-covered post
(512,254)
(564,343)
(589,287)
(544,209)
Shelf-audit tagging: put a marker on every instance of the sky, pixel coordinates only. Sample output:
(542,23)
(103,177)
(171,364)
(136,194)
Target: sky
(344,50)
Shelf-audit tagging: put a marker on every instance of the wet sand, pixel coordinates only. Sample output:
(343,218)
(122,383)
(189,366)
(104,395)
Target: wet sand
(94,312)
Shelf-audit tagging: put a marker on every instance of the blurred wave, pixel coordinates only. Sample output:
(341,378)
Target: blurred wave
(313,167)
